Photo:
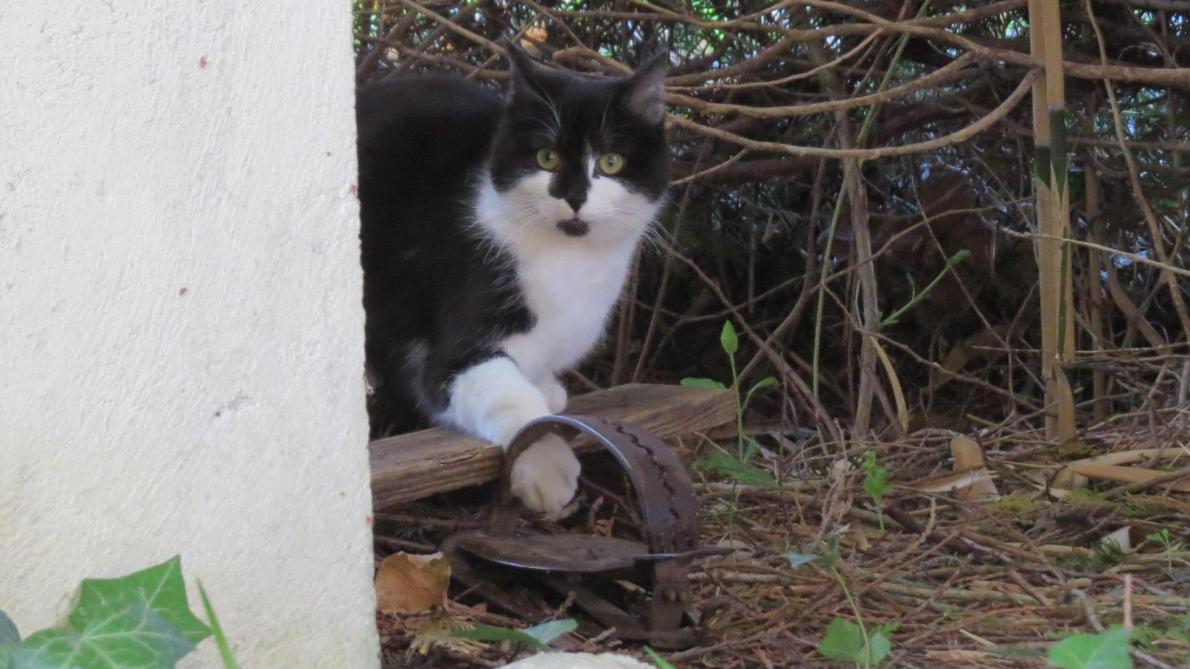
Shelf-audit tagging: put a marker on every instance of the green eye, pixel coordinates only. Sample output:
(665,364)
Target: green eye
(610,163)
(548,159)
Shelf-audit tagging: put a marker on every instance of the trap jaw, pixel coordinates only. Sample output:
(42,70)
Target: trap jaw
(570,563)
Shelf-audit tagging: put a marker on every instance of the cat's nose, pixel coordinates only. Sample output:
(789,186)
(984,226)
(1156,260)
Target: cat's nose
(576,201)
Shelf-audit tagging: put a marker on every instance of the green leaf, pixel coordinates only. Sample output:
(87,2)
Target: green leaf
(741,472)
(845,642)
(798,559)
(545,633)
(229,660)
(728,338)
(8,630)
(536,637)
(766,382)
(493,633)
(658,660)
(159,589)
(1092,651)
(139,621)
(9,638)
(879,648)
(689,382)
(134,638)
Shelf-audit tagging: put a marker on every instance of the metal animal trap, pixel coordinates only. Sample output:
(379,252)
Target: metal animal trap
(494,562)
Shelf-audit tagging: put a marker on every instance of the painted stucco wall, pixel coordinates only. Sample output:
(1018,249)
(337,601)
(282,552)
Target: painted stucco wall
(181,332)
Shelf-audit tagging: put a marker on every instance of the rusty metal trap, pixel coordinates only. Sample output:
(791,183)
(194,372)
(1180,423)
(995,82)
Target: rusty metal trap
(637,587)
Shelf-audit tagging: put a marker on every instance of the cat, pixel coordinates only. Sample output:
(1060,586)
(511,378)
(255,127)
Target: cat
(497,234)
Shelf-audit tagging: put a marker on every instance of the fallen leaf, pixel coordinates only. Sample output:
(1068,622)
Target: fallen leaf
(967,454)
(408,583)
(971,478)
(1127,475)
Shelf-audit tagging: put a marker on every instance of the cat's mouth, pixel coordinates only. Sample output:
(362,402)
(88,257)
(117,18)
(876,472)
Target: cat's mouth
(574,227)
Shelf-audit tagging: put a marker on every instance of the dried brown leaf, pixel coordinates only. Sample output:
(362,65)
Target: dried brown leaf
(407,583)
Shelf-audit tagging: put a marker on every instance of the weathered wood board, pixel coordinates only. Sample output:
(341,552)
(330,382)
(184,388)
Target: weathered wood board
(419,464)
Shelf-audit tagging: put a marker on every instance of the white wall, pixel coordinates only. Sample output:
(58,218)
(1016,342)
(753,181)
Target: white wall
(181,333)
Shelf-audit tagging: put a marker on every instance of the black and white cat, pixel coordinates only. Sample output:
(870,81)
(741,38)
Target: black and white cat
(497,235)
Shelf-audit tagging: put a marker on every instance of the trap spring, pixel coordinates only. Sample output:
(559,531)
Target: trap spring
(575,565)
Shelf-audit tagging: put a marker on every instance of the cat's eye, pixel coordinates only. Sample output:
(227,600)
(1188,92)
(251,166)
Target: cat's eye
(610,163)
(548,159)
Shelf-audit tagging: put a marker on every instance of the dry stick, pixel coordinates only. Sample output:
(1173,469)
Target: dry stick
(370,60)
(451,26)
(956,137)
(852,189)
(803,299)
(1179,77)
(798,76)
(666,271)
(942,75)
(1094,201)
(1137,192)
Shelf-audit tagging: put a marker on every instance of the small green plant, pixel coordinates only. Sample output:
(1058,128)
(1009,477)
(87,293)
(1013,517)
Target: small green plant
(876,483)
(1092,651)
(537,637)
(140,620)
(1174,635)
(847,642)
(916,297)
(1168,544)
(738,468)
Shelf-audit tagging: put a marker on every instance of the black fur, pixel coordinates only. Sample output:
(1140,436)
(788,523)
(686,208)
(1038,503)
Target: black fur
(428,279)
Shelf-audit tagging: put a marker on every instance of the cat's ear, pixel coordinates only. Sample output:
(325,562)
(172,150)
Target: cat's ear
(526,71)
(645,96)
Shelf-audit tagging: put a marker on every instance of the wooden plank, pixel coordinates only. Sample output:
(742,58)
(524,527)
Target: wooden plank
(416,465)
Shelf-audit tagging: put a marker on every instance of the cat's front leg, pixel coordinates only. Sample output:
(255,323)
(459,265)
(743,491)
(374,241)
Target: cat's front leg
(554,391)
(494,400)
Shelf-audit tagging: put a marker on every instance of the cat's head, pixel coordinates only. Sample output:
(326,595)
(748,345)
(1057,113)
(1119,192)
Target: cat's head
(578,157)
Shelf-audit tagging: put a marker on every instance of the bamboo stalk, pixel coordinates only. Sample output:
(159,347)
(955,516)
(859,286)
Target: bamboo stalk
(1053,214)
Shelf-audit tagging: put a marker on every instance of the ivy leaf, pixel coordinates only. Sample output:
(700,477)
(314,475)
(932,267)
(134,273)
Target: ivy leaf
(159,589)
(689,382)
(740,472)
(845,642)
(1092,651)
(133,638)
(135,622)
(728,338)
(9,638)
(8,630)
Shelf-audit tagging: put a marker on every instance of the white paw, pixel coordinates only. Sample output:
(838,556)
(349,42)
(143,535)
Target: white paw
(555,394)
(545,476)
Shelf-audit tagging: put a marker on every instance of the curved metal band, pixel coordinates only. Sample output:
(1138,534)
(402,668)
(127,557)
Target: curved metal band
(663,488)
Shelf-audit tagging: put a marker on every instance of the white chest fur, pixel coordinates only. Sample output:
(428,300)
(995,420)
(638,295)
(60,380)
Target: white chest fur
(569,283)
(571,288)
